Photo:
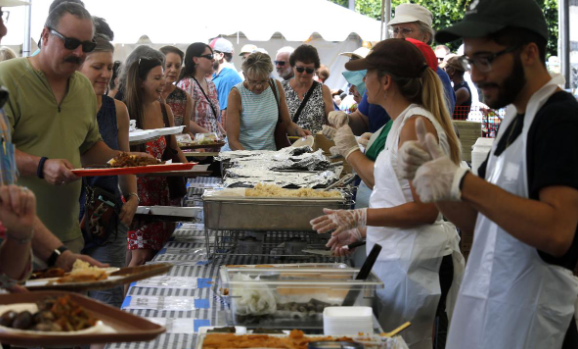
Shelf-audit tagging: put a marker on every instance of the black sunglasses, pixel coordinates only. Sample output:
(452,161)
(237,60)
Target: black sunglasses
(208,56)
(302,69)
(281,63)
(72,43)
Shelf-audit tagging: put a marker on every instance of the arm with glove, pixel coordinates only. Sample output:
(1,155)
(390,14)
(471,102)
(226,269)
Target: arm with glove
(547,224)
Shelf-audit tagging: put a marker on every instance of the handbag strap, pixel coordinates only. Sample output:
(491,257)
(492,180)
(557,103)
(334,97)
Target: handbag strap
(274,89)
(207,98)
(304,101)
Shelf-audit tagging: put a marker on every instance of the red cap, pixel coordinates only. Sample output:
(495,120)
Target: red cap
(429,54)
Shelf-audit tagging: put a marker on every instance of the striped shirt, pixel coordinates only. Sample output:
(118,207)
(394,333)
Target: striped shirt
(258,119)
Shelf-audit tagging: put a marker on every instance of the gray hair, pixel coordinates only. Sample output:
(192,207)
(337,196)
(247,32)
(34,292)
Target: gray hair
(6,53)
(286,49)
(67,7)
(143,51)
(426,29)
(257,64)
(103,44)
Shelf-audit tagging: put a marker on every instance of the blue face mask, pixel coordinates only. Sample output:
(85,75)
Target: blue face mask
(356,78)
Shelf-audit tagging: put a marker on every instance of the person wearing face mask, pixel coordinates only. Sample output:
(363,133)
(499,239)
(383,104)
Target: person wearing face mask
(142,81)
(193,80)
(309,101)
(522,208)
(105,234)
(420,259)
(178,100)
(256,106)
(53,121)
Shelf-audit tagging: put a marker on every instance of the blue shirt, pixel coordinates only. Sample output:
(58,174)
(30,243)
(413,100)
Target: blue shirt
(224,82)
(378,116)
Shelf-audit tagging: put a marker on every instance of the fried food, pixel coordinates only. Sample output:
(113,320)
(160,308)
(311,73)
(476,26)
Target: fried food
(128,160)
(48,273)
(295,340)
(59,314)
(83,275)
(270,190)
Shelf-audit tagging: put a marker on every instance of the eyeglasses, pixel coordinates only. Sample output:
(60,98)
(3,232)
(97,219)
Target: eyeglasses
(208,56)
(280,63)
(5,15)
(483,62)
(404,31)
(72,43)
(300,70)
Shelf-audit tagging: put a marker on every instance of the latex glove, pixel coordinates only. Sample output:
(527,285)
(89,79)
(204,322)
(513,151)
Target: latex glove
(345,141)
(337,118)
(439,179)
(413,154)
(340,221)
(328,131)
(334,151)
(364,139)
(339,241)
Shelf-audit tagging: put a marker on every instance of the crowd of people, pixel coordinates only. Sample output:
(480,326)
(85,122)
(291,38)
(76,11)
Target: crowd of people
(70,106)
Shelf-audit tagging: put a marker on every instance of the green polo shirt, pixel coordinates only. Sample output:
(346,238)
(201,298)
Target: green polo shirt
(41,127)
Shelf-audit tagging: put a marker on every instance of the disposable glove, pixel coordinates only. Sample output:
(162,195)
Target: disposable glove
(364,139)
(413,154)
(339,241)
(345,141)
(439,179)
(337,119)
(328,131)
(340,221)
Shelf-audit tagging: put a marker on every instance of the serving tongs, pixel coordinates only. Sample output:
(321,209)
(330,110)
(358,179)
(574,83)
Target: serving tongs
(396,331)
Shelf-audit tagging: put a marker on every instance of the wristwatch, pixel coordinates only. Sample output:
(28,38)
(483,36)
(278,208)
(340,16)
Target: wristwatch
(55,254)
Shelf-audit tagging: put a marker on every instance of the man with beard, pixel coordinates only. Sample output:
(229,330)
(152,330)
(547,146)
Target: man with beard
(282,63)
(52,115)
(225,75)
(518,290)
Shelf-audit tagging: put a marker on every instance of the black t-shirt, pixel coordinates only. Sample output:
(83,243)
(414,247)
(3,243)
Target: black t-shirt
(552,155)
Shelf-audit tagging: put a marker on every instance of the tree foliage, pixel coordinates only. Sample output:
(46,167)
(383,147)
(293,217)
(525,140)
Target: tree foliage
(448,12)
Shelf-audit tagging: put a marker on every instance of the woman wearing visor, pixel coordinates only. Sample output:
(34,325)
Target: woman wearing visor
(420,257)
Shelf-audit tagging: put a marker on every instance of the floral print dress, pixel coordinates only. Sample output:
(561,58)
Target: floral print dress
(153,191)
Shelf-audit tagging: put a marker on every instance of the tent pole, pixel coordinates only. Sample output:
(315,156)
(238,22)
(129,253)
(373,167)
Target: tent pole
(27,30)
(564,40)
(382,20)
(385,17)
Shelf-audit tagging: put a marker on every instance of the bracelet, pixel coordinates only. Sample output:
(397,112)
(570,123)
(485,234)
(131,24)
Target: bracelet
(135,195)
(55,254)
(40,168)
(20,241)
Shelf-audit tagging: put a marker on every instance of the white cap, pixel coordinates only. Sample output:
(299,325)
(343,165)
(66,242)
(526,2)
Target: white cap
(221,45)
(262,50)
(409,13)
(12,3)
(247,49)
(361,52)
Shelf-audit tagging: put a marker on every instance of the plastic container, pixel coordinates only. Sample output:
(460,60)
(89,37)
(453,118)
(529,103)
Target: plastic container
(347,321)
(290,297)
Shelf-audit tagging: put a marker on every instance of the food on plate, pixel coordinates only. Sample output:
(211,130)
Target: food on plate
(48,273)
(206,138)
(127,160)
(270,190)
(295,340)
(55,314)
(82,272)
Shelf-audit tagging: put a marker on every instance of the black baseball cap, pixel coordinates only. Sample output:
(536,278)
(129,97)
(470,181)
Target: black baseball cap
(485,17)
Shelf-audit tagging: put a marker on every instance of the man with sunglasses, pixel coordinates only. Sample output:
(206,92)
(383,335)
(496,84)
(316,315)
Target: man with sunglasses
(518,290)
(282,65)
(52,114)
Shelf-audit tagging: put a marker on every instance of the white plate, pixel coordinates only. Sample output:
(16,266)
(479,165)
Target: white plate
(303,141)
(33,308)
(44,281)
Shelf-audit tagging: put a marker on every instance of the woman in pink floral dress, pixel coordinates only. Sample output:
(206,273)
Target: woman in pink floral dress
(198,64)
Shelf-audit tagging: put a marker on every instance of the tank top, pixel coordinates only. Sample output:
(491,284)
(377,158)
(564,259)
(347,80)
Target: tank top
(258,119)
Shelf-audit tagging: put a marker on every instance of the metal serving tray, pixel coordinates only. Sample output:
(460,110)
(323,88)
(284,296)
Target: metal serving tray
(266,214)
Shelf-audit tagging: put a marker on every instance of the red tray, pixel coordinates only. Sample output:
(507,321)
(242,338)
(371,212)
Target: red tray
(132,170)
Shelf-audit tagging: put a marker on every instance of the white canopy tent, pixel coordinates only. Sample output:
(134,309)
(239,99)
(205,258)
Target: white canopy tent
(270,24)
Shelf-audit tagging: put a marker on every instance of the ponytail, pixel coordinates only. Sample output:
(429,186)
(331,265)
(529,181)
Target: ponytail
(433,99)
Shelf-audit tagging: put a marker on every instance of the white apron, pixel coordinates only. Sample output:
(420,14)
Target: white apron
(510,297)
(410,260)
